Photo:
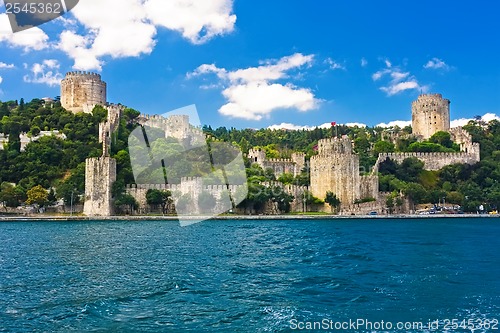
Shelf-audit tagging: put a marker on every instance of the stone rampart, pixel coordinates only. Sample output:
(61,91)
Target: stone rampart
(434,160)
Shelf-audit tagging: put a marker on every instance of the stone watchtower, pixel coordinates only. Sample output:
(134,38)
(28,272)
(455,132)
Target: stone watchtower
(336,169)
(81,91)
(100,172)
(430,114)
(257,156)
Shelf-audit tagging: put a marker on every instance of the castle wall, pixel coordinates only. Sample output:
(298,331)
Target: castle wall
(368,187)
(461,137)
(100,174)
(81,91)
(434,161)
(279,166)
(430,114)
(194,187)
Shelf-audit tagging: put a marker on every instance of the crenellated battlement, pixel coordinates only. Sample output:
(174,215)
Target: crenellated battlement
(335,146)
(433,160)
(82,74)
(192,179)
(280,160)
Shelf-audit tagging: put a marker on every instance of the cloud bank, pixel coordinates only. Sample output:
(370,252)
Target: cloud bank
(96,29)
(253,93)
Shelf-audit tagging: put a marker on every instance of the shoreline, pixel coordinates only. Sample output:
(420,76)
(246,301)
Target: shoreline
(55,218)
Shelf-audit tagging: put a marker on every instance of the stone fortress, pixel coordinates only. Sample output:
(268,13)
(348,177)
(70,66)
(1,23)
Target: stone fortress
(81,91)
(335,168)
(431,114)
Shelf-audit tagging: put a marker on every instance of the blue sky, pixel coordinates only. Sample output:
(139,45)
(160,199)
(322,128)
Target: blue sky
(262,63)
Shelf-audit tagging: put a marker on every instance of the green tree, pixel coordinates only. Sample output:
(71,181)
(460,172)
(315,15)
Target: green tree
(333,201)
(415,192)
(34,131)
(154,198)
(383,147)
(389,203)
(442,138)
(286,178)
(128,201)
(38,196)
(10,195)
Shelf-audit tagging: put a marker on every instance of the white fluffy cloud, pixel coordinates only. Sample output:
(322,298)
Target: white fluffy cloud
(464,121)
(128,28)
(398,80)
(436,63)
(3,65)
(394,123)
(364,62)
(45,73)
(355,125)
(252,94)
(31,39)
(293,127)
(454,123)
(197,21)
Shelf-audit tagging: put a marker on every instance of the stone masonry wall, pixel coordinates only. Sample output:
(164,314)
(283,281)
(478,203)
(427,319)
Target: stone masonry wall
(432,161)
(194,186)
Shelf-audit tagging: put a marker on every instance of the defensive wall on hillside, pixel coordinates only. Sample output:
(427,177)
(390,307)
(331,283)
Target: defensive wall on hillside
(432,161)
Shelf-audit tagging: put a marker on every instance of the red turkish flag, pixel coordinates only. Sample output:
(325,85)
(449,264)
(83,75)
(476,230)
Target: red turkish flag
(334,123)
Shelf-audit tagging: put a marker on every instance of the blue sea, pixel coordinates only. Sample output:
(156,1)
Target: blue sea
(251,276)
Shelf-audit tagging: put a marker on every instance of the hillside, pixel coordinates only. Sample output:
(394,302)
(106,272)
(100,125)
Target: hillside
(57,162)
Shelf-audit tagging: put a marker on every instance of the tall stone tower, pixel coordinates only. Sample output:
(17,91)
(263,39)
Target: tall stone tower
(100,172)
(430,114)
(336,169)
(81,91)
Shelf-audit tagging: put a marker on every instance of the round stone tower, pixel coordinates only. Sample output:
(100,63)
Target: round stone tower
(81,91)
(430,114)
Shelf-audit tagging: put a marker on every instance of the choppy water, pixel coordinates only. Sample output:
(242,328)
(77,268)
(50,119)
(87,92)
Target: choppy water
(245,276)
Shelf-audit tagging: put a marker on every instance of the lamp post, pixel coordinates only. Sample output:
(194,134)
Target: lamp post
(71,205)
